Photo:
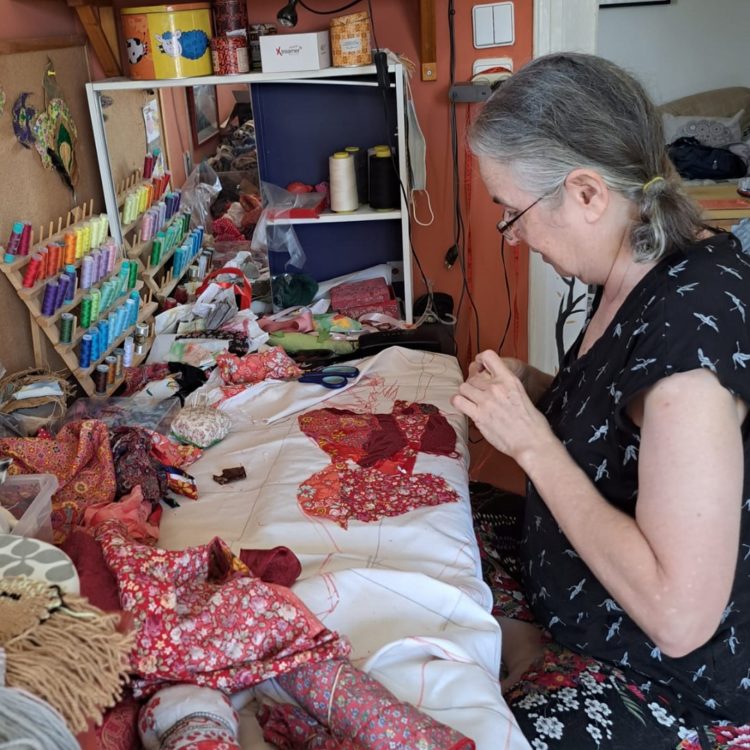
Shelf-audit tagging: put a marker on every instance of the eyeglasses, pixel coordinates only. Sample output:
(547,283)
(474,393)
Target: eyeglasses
(504,227)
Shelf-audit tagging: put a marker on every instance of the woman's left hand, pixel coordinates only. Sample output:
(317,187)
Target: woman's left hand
(495,400)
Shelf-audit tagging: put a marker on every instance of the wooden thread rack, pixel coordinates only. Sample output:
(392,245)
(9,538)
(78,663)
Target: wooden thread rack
(48,324)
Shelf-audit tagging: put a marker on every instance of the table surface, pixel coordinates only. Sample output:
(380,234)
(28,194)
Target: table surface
(711,197)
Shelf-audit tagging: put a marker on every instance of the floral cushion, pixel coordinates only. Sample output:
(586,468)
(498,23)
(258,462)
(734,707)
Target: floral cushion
(201,426)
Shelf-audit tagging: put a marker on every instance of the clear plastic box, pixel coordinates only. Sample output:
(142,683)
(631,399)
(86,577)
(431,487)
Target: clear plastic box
(29,498)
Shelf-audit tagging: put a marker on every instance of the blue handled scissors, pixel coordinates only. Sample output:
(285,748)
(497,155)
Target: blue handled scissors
(333,376)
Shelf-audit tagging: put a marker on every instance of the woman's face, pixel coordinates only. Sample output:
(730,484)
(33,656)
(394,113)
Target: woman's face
(547,227)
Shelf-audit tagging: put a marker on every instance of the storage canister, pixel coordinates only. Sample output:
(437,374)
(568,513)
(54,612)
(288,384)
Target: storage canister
(350,40)
(168,41)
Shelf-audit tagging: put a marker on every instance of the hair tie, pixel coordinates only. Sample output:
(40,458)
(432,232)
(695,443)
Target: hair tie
(652,181)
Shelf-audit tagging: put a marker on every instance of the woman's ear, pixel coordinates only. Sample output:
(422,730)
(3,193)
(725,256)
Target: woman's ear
(589,192)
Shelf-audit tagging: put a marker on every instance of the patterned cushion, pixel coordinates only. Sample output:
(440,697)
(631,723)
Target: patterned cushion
(710,131)
(35,559)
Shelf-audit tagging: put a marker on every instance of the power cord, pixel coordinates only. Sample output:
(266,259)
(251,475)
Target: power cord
(431,313)
(330,12)
(507,295)
(458,250)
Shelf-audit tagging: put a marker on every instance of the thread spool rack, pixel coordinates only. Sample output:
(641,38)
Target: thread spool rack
(48,325)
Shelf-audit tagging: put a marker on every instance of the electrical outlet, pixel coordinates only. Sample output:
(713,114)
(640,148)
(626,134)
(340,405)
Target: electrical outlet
(486,63)
(396,269)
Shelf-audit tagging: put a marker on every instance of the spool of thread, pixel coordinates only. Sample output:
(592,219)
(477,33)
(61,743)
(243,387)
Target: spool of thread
(128,351)
(131,312)
(50,297)
(140,338)
(63,282)
(102,264)
(96,351)
(384,182)
(360,169)
(343,183)
(86,237)
(67,326)
(112,322)
(44,270)
(87,273)
(84,314)
(229,55)
(25,246)
(148,166)
(101,378)
(70,247)
(31,274)
(96,304)
(111,362)
(350,40)
(79,242)
(70,271)
(156,250)
(132,274)
(119,355)
(14,242)
(103,326)
(54,257)
(84,353)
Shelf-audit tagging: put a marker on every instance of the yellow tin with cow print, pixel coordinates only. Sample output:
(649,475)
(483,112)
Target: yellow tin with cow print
(168,41)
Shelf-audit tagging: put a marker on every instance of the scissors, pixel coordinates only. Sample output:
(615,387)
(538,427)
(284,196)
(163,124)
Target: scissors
(333,376)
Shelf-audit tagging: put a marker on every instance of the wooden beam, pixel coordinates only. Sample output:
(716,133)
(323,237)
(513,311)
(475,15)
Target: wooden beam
(427,40)
(40,43)
(89,16)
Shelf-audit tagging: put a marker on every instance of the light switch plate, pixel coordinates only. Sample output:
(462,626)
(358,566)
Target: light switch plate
(493,25)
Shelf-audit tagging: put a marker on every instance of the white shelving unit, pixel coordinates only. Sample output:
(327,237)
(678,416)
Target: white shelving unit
(360,76)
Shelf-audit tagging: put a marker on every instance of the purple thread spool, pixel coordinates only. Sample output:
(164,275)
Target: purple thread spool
(102,264)
(178,193)
(111,256)
(63,284)
(87,272)
(84,354)
(70,294)
(50,298)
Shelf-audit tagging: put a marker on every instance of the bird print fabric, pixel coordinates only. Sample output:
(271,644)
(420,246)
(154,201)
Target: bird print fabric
(692,310)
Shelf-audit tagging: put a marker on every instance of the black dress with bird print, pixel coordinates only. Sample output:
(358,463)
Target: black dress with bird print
(691,310)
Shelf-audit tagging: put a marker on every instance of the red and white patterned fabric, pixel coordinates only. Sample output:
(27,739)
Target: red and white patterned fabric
(253,368)
(385,447)
(202,617)
(351,710)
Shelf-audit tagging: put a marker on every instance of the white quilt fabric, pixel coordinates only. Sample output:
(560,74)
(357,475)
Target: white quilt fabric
(406,591)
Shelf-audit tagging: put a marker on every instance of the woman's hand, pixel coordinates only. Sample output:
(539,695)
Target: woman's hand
(495,399)
(535,382)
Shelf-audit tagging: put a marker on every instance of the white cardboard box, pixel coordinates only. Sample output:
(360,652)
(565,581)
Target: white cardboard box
(291,52)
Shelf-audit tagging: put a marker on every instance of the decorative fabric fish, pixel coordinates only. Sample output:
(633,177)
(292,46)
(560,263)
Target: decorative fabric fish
(56,132)
(23,116)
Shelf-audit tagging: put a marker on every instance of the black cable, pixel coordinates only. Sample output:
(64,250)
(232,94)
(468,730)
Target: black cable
(507,294)
(396,169)
(330,12)
(458,221)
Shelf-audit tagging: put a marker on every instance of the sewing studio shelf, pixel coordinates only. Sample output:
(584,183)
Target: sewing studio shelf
(301,118)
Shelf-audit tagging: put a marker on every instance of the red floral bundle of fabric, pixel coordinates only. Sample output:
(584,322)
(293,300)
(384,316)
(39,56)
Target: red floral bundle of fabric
(203,618)
(253,368)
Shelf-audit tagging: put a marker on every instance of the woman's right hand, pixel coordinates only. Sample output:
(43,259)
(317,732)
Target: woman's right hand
(534,381)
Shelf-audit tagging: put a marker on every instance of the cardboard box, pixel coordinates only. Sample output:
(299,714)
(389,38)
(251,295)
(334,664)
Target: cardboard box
(282,53)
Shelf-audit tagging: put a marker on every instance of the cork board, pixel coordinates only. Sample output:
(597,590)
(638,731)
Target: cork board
(33,193)
(126,130)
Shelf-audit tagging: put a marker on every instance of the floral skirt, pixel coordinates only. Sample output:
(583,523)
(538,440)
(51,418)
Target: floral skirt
(566,700)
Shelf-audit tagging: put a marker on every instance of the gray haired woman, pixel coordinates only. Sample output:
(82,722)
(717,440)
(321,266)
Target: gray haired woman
(633,567)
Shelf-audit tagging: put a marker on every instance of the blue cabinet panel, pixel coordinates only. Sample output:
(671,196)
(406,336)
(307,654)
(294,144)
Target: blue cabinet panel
(334,249)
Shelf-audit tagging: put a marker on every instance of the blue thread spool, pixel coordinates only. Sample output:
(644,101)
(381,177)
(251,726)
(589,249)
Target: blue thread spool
(84,353)
(95,343)
(63,282)
(70,272)
(50,298)
(103,327)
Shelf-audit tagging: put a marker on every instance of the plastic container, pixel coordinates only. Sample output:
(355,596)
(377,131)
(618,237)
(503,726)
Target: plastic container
(29,498)
(168,41)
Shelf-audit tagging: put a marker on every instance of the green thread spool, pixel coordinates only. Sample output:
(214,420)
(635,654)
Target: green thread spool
(85,312)
(132,274)
(96,303)
(156,251)
(67,322)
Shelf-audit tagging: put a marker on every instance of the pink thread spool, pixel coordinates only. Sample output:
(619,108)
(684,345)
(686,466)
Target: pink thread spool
(25,245)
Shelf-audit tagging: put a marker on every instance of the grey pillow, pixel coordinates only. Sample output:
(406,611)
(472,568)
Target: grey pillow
(716,132)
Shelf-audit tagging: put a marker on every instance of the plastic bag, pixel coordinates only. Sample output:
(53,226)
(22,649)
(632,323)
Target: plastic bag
(199,192)
(280,237)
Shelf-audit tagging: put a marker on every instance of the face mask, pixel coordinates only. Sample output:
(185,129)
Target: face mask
(417,156)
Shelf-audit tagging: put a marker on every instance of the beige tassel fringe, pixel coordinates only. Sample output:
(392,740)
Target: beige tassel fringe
(71,655)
